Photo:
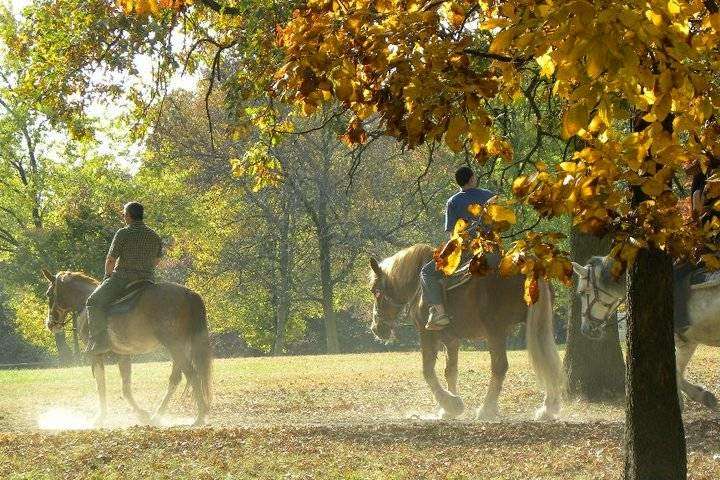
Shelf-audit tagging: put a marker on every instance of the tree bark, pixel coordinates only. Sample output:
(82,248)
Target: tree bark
(595,369)
(654,435)
(331,336)
(283,294)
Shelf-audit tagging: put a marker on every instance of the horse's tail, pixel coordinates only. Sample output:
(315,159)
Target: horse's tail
(200,349)
(543,353)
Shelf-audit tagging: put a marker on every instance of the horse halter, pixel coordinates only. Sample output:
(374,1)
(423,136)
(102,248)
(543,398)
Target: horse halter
(381,295)
(63,311)
(610,307)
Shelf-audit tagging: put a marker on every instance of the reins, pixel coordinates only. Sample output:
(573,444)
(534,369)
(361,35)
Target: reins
(610,307)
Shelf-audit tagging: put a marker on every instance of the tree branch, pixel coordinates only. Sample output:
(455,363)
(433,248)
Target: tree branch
(222,9)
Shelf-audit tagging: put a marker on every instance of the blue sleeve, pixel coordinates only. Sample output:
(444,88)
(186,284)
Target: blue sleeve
(450,217)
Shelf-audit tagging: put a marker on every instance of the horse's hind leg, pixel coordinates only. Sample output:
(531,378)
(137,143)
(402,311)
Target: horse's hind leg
(450,403)
(182,362)
(498,368)
(175,377)
(125,368)
(684,352)
(98,369)
(451,365)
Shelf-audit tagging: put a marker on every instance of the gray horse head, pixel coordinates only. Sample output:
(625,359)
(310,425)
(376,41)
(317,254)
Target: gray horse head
(600,294)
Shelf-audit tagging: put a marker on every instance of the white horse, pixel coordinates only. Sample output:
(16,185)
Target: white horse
(600,295)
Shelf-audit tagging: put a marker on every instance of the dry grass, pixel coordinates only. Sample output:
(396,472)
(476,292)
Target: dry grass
(346,416)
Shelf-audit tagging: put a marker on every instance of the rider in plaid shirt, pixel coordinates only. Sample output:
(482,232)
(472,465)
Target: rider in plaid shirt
(134,253)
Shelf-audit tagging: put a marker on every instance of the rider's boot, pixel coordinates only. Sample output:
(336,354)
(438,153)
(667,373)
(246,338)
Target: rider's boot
(97,322)
(437,320)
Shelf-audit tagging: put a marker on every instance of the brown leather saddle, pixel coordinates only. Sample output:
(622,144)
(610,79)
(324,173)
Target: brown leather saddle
(130,296)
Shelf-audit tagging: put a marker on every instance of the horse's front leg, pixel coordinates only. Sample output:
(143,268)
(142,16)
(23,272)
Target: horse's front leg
(98,369)
(450,403)
(451,365)
(125,368)
(684,352)
(498,367)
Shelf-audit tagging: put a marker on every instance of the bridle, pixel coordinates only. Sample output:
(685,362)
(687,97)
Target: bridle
(609,306)
(63,311)
(381,295)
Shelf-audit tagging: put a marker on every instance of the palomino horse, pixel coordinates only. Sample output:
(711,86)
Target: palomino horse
(601,294)
(484,307)
(164,314)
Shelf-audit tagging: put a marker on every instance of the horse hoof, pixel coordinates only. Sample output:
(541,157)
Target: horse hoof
(144,418)
(543,414)
(710,400)
(452,405)
(199,422)
(487,413)
(98,421)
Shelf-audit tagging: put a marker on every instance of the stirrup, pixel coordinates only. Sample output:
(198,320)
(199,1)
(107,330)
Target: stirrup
(95,347)
(437,322)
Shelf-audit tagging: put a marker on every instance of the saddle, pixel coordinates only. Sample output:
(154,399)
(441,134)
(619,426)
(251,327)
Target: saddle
(459,278)
(462,275)
(127,301)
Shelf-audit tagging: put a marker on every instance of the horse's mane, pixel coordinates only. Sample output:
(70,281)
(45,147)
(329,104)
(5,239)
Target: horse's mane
(79,276)
(403,268)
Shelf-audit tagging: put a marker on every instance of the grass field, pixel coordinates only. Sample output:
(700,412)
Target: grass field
(345,416)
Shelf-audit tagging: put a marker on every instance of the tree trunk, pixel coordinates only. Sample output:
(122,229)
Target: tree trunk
(331,335)
(595,369)
(283,294)
(654,436)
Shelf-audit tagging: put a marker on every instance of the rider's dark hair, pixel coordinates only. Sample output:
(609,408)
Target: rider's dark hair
(463,175)
(135,210)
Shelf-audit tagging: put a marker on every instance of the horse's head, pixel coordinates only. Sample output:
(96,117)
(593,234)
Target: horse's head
(59,301)
(55,316)
(597,303)
(385,309)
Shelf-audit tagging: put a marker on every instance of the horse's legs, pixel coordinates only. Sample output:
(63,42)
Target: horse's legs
(450,403)
(125,368)
(181,360)
(98,369)
(451,365)
(498,367)
(684,352)
(175,377)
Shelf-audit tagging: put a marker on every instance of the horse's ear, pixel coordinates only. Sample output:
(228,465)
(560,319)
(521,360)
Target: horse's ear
(579,269)
(375,266)
(46,273)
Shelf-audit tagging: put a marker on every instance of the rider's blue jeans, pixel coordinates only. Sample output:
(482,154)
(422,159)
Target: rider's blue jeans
(431,281)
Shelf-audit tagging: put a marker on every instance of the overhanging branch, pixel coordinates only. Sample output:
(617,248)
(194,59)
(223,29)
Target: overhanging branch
(222,9)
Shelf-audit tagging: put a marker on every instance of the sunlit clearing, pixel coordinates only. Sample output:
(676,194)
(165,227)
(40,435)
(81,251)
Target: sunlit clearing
(176,421)
(62,419)
(425,416)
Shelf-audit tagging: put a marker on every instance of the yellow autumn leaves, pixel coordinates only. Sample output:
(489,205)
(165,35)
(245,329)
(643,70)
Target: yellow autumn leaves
(153,7)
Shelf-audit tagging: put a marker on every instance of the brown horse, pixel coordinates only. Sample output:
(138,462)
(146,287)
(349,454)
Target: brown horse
(164,314)
(484,307)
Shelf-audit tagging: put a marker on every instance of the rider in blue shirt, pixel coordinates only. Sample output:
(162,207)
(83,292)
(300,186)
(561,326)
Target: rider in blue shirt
(457,207)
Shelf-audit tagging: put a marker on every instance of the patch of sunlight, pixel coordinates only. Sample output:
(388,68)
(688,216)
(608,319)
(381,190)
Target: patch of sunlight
(62,419)
(170,421)
(424,416)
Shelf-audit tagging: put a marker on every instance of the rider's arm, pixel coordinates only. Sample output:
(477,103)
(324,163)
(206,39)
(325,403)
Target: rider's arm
(696,198)
(450,218)
(109,265)
(698,206)
(113,253)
